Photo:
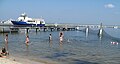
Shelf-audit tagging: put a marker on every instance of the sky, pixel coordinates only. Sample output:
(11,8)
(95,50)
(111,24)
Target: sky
(64,11)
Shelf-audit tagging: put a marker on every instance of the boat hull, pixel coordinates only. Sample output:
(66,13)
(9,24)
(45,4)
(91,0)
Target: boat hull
(22,23)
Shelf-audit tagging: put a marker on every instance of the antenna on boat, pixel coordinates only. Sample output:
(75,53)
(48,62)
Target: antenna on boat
(23,15)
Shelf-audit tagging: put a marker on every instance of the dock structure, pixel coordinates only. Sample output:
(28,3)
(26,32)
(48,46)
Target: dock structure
(49,27)
(8,30)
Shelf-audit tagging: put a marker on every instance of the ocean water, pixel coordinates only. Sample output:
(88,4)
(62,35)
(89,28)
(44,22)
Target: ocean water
(77,47)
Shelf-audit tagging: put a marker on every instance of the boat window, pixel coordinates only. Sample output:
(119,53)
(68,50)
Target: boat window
(31,21)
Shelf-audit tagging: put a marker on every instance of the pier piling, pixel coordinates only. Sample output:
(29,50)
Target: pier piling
(27,30)
(87,30)
(100,31)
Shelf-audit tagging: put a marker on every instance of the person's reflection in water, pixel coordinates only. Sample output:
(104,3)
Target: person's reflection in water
(27,50)
(50,44)
(61,46)
(27,42)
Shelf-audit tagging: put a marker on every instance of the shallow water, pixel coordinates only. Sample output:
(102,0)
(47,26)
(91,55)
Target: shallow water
(77,48)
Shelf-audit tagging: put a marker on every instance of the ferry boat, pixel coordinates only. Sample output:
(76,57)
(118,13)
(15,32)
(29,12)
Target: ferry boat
(23,20)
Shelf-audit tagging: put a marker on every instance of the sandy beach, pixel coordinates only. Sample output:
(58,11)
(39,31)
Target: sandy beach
(16,61)
(8,61)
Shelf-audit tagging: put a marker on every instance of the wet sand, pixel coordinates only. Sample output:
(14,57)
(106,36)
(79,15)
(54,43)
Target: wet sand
(21,60)
(16,61)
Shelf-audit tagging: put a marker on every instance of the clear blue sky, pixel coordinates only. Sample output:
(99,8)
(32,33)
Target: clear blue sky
(64,11)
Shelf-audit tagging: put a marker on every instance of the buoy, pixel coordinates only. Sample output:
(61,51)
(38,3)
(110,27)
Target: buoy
(114,43)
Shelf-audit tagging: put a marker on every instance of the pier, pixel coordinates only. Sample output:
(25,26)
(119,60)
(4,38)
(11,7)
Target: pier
(51,27)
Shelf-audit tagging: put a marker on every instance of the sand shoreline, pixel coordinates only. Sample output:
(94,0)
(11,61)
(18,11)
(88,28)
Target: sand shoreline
(8,61)
(21,60)
(17,61)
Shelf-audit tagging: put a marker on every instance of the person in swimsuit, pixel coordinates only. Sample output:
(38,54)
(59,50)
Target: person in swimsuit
(3,52)
(6,42)
(50,37)
(61,37)
(6,38)
(27,40)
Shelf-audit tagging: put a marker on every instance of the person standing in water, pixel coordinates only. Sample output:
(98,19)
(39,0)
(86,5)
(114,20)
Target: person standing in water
(6,38)
(50,37)
(6,41)
(61,37)
(50,40)
(27,40)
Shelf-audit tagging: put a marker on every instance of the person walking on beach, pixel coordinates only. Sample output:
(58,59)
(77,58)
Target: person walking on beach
(27,40)
(61,37)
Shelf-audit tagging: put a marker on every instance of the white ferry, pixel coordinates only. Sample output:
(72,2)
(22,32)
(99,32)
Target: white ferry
(24,20)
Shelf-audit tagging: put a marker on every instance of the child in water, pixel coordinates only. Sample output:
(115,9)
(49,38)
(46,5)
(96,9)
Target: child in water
(27,40)
(50,37)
